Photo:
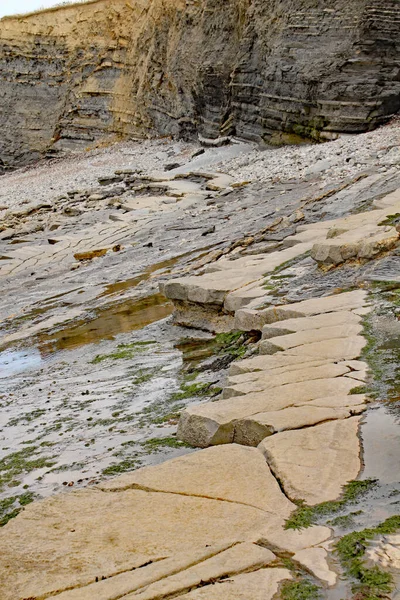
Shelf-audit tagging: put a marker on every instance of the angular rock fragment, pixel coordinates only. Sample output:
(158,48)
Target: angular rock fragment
(213,423)
(253,430)
(313,464)
(315,560)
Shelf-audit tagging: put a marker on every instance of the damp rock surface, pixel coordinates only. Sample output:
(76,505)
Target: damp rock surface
(285,378)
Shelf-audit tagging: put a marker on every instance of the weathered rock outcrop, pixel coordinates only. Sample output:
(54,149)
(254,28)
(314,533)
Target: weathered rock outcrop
(77,75)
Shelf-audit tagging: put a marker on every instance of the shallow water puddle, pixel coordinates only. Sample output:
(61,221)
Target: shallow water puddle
(107,323)
(162,266)
(13,362)
(381,445)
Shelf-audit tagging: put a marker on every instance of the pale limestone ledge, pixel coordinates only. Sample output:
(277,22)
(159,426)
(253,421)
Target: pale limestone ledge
(314,463)
(228,286)
(190,521)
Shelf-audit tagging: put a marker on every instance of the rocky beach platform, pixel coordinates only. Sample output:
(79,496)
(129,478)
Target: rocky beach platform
(228,329)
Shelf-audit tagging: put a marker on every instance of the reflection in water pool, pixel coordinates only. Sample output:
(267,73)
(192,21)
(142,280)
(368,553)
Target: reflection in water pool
(107,323)
(13,362)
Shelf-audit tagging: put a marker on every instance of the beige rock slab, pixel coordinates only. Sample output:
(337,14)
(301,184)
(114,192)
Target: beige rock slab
(353,402)
(239,559)
(253,430)
(232,473)
(205,289)
(305,324)
(213,423)
(239,298)
(292,340)
(315,560)
(261,585)
(364,242)
(315,306)
(70,539)
(249,383)
(313,464)
(279,363)
(362,376)
(124,583)
(292,540)
(336,349)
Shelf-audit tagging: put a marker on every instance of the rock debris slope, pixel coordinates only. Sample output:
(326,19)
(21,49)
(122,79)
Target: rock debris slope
(87,73)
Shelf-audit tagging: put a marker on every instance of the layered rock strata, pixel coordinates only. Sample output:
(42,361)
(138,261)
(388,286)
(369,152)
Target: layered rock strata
(84,74)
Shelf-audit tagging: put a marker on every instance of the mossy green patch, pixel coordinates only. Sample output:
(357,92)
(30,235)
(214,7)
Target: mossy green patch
(382,351)
(27,417)
(128,464)
(306,516)
(123,352)
(192,390)
(144,376)
(370,583)
(359,389)
(20,462)
(345,521)
(391,220)
(299,590)
(12,506)
(231,343)
(159,444)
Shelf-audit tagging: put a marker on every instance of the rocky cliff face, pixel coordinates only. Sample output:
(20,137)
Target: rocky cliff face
(84,74)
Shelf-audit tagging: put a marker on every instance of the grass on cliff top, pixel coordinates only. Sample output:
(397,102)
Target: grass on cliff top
(306,516)
(370,583)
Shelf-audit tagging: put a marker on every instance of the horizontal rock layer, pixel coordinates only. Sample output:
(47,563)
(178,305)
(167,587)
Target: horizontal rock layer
(85,73)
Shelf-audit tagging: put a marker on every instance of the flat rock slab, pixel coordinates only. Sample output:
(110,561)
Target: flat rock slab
(293,540)
(253,430)
(313,464)
(315,306)
(316,561)
(74,539)
(365,242)
(237,559)
(261,585)
(337,349)
(174,573)
(293,340)
(334,319)
(356,402)
(249,383)
(231,473)
(213,423)
(278,363)
(206,289)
